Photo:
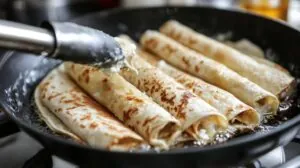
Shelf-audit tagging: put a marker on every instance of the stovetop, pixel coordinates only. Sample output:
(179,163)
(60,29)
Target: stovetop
(21,151)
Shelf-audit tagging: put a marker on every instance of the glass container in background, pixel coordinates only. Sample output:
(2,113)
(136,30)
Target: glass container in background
(272,8)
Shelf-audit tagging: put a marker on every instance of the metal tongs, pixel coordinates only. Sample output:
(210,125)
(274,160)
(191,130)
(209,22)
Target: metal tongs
(64,41)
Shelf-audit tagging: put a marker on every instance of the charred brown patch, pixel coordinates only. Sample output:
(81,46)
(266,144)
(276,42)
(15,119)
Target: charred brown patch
(197,68)
(82,126)
(133,98)
(68,101)
(127,115)
(149,120)
(177,35)
(78,104)
(192,41)
(183,102)
(104,80)
(165,98)
(151,43)
(93,125)
(71,108)
(43,96)
(171,32)
(185,61)
(190,85)
(79,78)
(54,96)
(219,56)
(86,117)
(148,132)
(169,49)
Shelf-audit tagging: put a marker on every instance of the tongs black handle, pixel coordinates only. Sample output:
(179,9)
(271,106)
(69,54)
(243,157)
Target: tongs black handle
(65,41)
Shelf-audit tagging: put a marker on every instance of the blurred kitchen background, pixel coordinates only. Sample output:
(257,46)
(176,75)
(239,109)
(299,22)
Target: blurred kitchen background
(34,11)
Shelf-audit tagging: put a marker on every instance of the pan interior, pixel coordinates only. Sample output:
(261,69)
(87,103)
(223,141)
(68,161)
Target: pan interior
(17,97)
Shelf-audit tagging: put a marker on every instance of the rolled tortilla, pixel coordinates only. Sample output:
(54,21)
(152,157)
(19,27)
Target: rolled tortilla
(271,80)
(51,120)
(125,101)
(256,53)
(235,110)
(211,71)
(193,113)
(87,119)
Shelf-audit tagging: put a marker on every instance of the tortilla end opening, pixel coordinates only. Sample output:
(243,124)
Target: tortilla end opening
(219,122)
(168,131)
(127,143)
(269,104)
(212,124)
(288,90)
(247,117)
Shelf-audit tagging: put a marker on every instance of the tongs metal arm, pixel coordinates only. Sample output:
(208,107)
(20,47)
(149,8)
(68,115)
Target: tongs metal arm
(64,41)
(26,38)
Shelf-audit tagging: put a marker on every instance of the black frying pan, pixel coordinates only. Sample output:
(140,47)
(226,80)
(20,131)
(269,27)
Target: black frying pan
(15,98)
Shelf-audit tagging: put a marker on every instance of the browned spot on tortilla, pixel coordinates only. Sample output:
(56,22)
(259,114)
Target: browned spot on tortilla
(148,120)
(177,35)
(220,56)
(148,132)
(169,49)
(197,69)
(183,102)
(43,96)
(100,109)
(79,78)
(190,85)
(68,101)
(78,104)
(93,125)
(192,41)
(54,96)
(105,80)
(71,108)
(165,97)
(171,32)
(228,111)
(151,43)
(134,98)
(82,126)
(185,61)
(86,117)
(86,75)
(129,113)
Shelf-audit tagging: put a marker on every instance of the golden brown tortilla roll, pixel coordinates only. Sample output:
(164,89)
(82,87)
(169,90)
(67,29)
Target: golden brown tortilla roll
(235,110)
(125,101)
(193,113)
(211,71)
(268,78)
(83,116)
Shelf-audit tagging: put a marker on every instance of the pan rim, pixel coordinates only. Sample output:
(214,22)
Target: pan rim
(239,141)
